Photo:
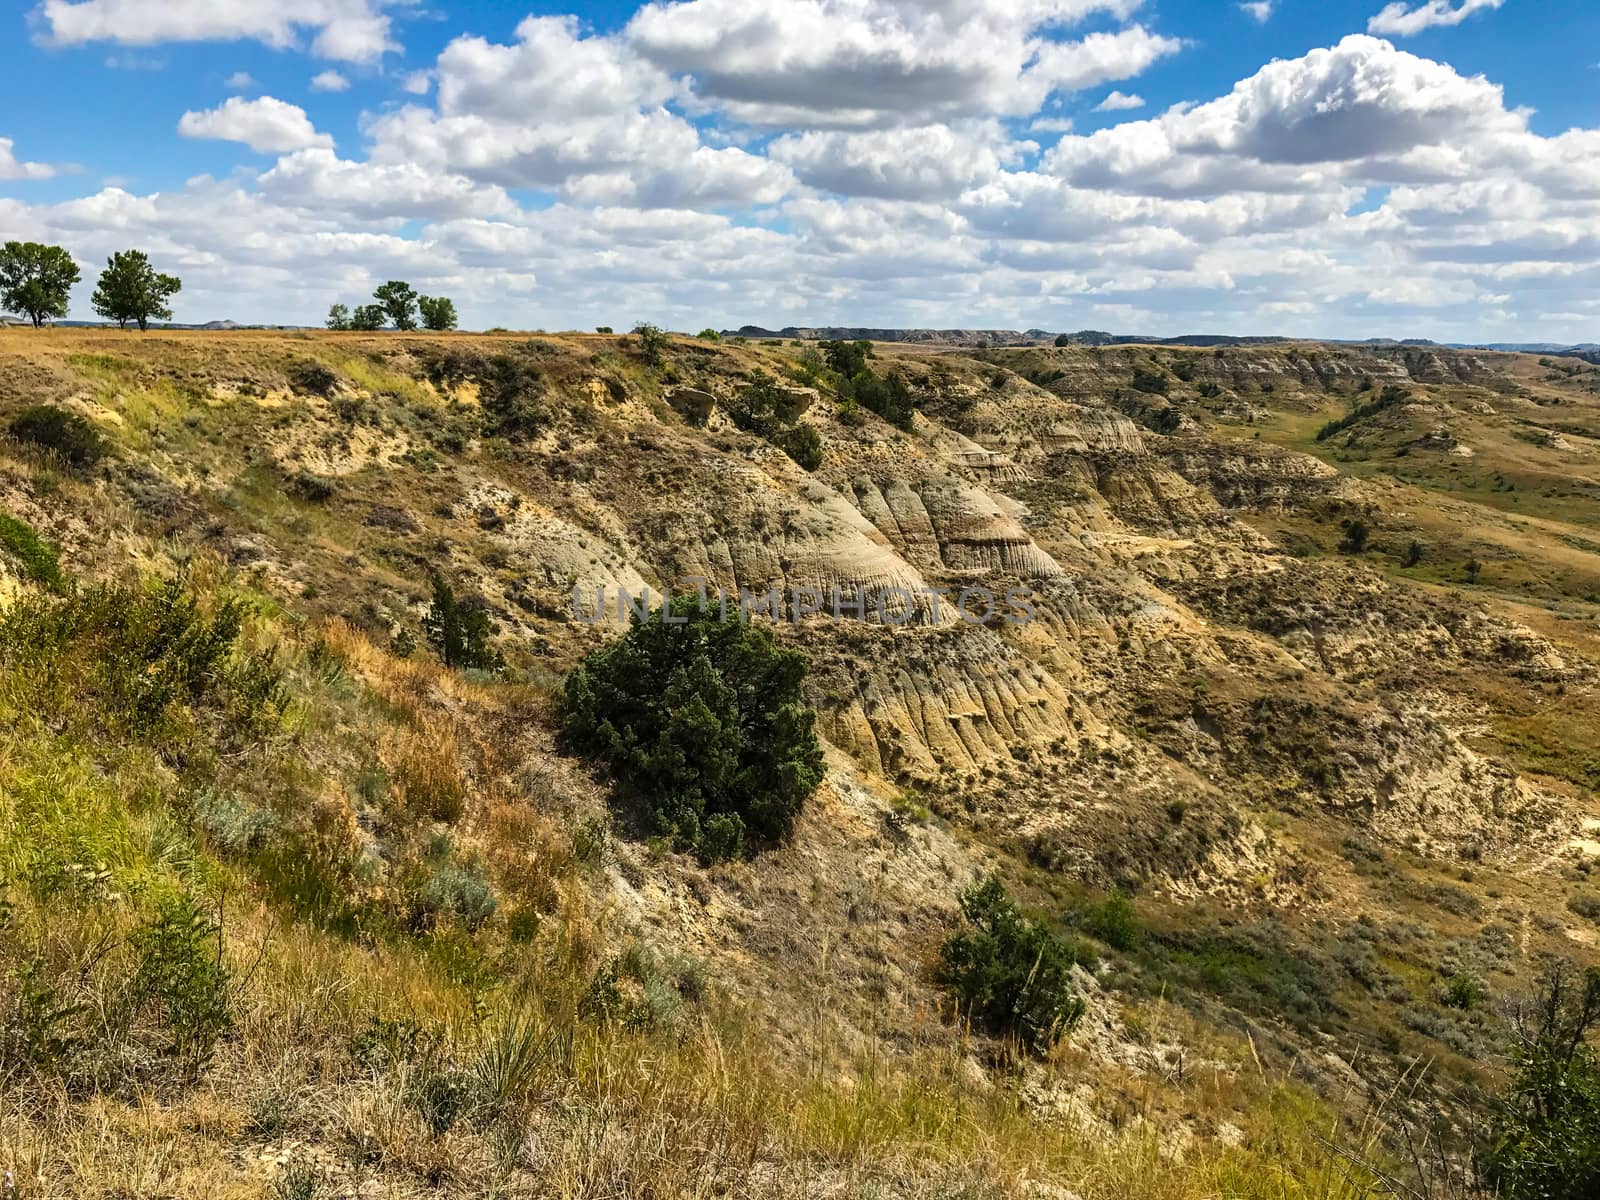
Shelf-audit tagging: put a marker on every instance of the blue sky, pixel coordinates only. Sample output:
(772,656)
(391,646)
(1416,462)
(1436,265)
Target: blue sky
(1421,169)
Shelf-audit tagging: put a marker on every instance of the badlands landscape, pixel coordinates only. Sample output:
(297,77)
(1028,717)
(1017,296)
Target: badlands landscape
(1296,767)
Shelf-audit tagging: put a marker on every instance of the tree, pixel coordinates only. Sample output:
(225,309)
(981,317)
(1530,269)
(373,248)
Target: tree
(702,719)
(459,630)
(130,289)
(652,341)
(1545,1138)
(367,317)
(399,303)
(36,280)
(339,318)
(438,312)
(1063,339)
(1011,975)
(1356,534)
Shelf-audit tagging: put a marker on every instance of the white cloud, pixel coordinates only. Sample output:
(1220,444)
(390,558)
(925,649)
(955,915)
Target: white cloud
(1402,20)
(1119,102)
(580,115)
(926,162)
(887,184)
(1257,10)
(1361,107)
(862,63)
(267,125)
(240,81)
(329,81)
(319,179)
(351,30)
(11,168)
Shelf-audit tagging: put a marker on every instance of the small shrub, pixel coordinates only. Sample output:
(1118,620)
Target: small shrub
(1114,923)
(652,341)
(1356,535)
(1152,381)
(1462,992)
(1586,905)
(1010,974)
(299,1181)
(453,889)
(1413,555)
(181,972)
(511,395)
(313,379)
(313,489)
(74,439)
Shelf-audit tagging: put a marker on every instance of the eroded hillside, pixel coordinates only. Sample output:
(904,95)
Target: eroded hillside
(1324,708)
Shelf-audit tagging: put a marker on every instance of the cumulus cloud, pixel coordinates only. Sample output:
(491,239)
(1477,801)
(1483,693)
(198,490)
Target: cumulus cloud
(1119,102)
(267,125)
(329,81)
(1257,10)
(11,168)
(857,63)
(862,161)
(240,81)
(319,179)
(1403,20)
(922,163)
(580,115)
(351,30)
(1297,124)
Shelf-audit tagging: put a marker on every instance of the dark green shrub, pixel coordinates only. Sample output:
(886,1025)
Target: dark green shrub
(77,441)
(458,630)
(1413,555)
(1010,974)
(182,974)
(1544,1141)
(803,444)
(36,556)
(511,395)
(1356,534)
(771,411)
(1150,380)
(1463,992)
(888,396)
(312,379)
(698,720)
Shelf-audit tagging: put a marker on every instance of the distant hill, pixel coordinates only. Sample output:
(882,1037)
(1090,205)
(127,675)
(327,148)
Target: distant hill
(992,337)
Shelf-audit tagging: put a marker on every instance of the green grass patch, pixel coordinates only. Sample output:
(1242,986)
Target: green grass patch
(36,556)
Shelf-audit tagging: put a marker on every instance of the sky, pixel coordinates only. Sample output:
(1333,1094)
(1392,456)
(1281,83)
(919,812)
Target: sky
(1317,168)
